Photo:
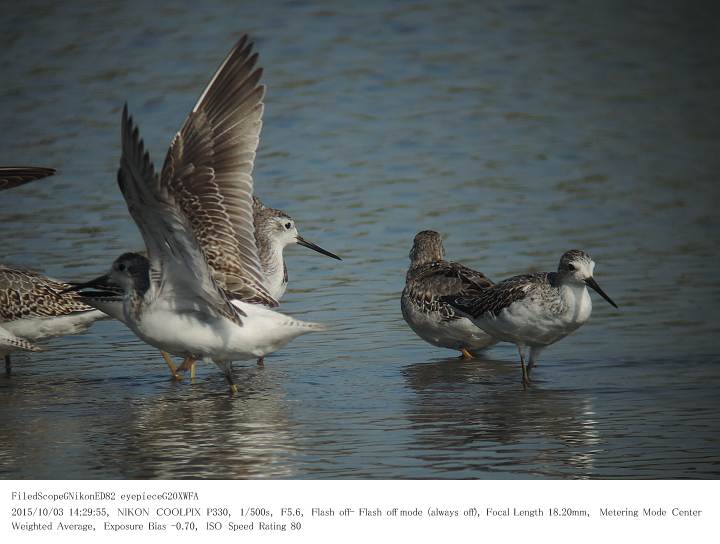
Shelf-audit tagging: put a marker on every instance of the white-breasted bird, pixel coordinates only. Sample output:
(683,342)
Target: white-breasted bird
(535,310)
(274,231)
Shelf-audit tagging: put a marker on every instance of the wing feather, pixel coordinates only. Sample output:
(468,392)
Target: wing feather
(27,294)
(499,296)
(209,170)
(177,265)
(428,285)
(13,176)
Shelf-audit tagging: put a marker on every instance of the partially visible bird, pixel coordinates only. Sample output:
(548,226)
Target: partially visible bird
(429,278)
(535,310)
(30,307)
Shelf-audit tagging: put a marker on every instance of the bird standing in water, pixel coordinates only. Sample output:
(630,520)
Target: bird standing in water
(535,310)
(429,278)
(30,307)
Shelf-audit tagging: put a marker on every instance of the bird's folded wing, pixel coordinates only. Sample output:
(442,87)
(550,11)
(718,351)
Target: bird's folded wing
(27,294)
(495,298)
(429,285)
(178,268)
(208,169)
(450,278)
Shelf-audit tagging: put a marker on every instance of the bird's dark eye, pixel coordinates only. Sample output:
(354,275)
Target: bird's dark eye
(288,225)
(571,267)
(121,267)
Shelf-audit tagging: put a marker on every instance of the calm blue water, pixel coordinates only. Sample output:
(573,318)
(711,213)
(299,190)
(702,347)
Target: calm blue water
(516,129)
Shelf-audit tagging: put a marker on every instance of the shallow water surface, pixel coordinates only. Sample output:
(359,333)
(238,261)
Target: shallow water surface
(518,130)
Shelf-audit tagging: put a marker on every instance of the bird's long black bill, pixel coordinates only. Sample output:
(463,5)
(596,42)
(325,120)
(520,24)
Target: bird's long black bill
(303,242)
(96,288)
(592,283)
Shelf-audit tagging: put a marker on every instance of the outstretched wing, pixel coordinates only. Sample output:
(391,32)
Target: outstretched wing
(12,176)
(496,298)
(208,169)
(177,265)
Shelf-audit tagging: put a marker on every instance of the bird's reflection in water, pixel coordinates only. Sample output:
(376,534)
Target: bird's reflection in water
(199,431)
(472,416)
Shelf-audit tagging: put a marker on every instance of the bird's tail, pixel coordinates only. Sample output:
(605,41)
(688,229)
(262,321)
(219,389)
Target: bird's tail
(306,326)
(15,343)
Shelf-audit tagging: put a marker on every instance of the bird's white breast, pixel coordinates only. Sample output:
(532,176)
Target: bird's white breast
(537,321)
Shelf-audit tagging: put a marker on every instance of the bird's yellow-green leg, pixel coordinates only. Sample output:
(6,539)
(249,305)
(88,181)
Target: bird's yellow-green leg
(171,366)
(229,378)
(187,364)
(466,354)
(193,369)
(226,367)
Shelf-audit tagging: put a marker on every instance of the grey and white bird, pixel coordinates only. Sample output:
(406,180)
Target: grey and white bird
(274,231)
(30,307)
(535,310)
(200,293)
(429,278)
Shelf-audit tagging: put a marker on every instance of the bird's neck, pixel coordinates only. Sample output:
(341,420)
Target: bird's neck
(274,268)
